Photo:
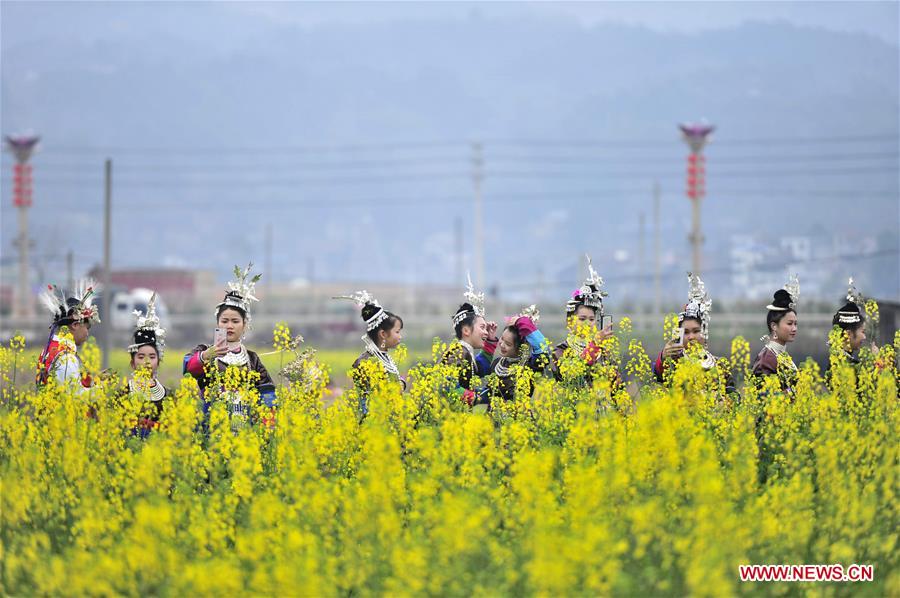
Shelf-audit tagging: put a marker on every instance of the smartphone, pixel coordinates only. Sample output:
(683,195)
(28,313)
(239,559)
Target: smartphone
(679,336)
(220,337)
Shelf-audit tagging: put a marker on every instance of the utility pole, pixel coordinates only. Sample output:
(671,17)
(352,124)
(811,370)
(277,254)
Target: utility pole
(311,281)
(657,287)
(541,284)
(696,135)
(105,317)
(458,248)
(268,266)
(22,148)
(642,264)
(477,179)
(70,270)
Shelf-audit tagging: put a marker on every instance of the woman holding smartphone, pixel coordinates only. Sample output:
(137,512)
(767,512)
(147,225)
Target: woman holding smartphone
(691,336)
(585,335)
(207,363)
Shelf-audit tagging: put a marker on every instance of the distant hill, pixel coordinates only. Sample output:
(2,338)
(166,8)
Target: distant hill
(162,92)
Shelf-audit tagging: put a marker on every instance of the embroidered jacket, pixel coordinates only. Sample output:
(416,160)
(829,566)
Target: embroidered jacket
(60,360)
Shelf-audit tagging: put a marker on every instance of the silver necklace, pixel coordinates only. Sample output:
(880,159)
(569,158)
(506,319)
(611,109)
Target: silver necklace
(778,349)
(469,349)
(382,356)
(238,359)
(502,367)
(156,392)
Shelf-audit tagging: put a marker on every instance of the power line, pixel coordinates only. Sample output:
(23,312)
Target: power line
(766,267)
(181,166)
(711,159)
(555,160)
(463,199)
(287,149)
(432,144)
(711,174)
(169,182)
(639,143)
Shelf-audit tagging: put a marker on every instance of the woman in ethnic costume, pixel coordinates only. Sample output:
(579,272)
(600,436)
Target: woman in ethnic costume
(383,333)
(73,317)
(693,336)
(851,319)
(781,321)
(207,363)
(146,354)
(584,339)
(521,345)
(473,349)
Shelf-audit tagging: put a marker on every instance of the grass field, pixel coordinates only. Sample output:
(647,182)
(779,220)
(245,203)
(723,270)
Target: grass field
(337,360)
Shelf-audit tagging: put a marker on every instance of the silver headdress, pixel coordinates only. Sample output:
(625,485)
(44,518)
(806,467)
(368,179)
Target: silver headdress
(363,298)
(148,330)
(476,300)
(792,287)
(853,294)
(590,293)
(698,305)
(241,291)
(852,312)
(68,309)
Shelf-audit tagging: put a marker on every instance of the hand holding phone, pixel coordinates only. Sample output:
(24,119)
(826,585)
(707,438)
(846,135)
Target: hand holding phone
(219,346)
(675,347)
(220,338)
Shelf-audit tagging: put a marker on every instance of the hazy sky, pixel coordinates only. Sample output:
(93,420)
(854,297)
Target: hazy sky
(98,79)
(876,18)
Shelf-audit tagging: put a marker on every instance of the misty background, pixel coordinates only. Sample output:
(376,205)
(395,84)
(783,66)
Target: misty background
(347,130)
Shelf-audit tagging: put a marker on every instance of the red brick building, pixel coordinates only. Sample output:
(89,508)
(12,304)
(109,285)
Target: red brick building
(178,287)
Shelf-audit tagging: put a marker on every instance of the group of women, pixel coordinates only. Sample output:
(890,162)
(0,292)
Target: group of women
(484,359)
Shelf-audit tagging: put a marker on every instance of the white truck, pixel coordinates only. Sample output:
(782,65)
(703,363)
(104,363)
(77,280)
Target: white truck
(125,302)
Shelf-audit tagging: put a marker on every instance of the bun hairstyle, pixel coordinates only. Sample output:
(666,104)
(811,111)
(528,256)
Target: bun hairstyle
(369,311)
(465,316)
(782,304)
(850,317)
(142,338)
(782,300)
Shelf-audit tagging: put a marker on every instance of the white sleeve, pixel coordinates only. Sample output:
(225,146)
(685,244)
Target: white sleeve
(68,371)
